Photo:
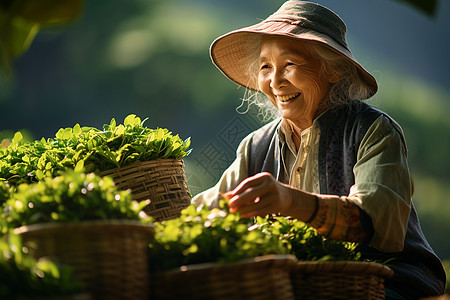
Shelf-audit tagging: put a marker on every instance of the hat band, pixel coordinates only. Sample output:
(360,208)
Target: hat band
(304,23)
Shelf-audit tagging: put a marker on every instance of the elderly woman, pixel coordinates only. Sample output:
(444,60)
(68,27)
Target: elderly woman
(329,160)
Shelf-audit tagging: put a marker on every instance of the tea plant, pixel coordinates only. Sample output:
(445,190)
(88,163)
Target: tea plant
(305,242)
(203,235)
(71,197)
(97,150)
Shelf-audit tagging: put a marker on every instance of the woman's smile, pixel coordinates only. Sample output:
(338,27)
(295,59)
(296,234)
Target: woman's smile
(287,98)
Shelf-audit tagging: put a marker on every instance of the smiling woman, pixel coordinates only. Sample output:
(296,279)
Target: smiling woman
(290,76)
(329,160)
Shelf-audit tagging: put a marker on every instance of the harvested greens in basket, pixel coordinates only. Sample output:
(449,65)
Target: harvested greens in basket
(305,242)
(71,197)
(202,235)
(97,150)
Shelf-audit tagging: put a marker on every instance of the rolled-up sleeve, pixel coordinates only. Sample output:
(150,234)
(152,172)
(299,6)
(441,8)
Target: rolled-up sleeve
(383,184)
(231,177)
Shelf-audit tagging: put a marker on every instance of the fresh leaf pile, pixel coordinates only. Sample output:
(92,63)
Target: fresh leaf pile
(203,235)
(22,277)
(97,150)
(305,242)
(72,197)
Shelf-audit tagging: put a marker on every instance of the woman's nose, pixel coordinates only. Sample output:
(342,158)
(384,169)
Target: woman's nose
(278,80)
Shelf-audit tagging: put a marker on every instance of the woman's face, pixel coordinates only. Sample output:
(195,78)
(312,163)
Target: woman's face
(291,78)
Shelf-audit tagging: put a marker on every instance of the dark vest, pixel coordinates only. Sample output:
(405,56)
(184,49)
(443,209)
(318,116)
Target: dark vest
(418,272)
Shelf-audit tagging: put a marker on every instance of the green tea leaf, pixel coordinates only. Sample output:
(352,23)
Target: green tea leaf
(120,130)
(64,133)
(17,138)
(77,130)
(131,120)
(112,125)
(79,166)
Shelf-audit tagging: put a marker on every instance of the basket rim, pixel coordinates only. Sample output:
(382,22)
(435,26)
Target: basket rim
(344,267)
(139,163)
(88,224)
(285,260)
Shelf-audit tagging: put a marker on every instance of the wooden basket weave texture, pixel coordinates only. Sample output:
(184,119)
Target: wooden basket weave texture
(261,278)
(109,258)
(340,280)
(163,181)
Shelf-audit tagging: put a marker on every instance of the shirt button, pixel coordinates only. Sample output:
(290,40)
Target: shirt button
(299,169)
(306,149)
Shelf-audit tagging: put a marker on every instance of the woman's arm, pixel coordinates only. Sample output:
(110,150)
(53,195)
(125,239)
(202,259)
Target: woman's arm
(333,216)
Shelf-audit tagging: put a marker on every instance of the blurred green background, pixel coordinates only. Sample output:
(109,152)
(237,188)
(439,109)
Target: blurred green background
(150,58)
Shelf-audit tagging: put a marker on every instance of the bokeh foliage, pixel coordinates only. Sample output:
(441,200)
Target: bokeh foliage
(21,20)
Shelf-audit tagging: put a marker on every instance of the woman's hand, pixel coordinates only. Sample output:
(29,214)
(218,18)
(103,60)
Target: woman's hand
(260,195)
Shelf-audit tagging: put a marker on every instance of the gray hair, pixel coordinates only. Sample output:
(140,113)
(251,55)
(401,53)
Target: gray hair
(350,87)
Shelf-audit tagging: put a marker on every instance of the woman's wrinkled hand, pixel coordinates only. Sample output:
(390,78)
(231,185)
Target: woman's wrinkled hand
(260,195)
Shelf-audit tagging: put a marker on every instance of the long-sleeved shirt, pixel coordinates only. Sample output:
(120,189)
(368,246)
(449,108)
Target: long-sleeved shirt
(388,208)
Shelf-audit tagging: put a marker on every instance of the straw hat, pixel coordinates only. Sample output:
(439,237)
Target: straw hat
(297,19)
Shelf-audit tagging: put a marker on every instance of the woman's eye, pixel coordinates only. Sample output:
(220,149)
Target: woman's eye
(290,64)
(264,67)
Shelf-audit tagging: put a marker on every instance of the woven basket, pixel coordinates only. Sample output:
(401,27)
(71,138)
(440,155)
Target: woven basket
(260,278)
(340,280)
(108,257)
(163,181)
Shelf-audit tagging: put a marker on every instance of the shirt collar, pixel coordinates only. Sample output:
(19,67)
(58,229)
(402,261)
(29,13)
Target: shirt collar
(285,132)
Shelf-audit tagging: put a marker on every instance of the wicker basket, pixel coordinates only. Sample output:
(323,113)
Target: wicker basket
(163,181)
(260,278)
(108,257)
(340,280)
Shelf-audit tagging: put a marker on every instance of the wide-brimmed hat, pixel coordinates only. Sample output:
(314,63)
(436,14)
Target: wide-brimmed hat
(232,52)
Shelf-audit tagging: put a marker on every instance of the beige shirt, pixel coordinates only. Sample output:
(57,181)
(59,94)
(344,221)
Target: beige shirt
(382,181)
